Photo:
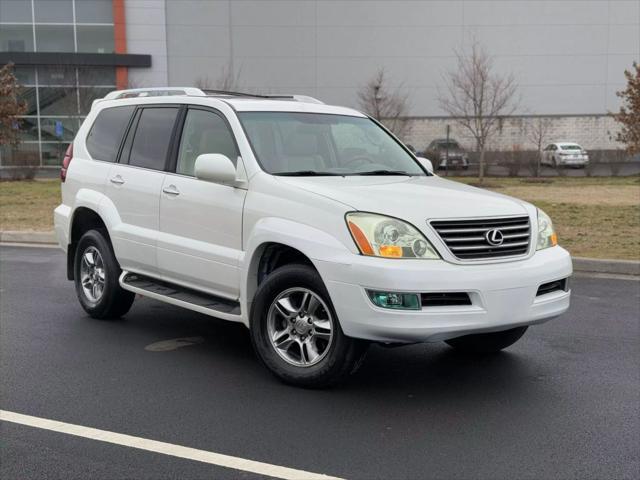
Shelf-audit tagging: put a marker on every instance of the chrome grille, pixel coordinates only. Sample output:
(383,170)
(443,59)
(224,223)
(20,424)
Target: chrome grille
(468,239)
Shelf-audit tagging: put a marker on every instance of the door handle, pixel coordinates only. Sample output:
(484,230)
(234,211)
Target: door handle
(117,180)
(171,190)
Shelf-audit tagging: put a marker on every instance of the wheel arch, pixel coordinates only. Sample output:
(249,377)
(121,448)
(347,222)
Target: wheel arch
(277,242)
(83,219)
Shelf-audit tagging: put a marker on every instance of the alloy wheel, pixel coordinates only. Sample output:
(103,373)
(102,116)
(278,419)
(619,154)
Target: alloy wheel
(300,327)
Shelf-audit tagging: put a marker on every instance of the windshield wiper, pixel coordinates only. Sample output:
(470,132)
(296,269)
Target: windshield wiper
(385,172)
(306,173)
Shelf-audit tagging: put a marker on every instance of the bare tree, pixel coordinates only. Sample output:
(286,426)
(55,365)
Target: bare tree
(476,97)
(538,131)
(11,106)
(227,80)
(386,105)
(629,115)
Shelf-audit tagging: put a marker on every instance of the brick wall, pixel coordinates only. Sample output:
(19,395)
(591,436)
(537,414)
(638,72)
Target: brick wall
(590,131)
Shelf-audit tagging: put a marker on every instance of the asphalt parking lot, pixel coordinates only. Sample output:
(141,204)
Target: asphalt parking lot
(564,402)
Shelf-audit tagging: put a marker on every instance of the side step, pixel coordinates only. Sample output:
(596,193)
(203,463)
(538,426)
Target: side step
(181,296)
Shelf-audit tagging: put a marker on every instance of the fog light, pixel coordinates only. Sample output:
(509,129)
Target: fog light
(396,300)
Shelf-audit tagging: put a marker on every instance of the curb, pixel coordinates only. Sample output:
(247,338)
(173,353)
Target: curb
(580,264)
(28,237)
(596,265)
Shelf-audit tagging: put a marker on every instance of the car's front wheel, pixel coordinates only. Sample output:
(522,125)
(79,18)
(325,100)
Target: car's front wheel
(487,342)
(296,333)
(96,273)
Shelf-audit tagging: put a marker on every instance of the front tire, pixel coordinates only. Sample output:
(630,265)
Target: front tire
(487,342)
(296,333)
(96,274)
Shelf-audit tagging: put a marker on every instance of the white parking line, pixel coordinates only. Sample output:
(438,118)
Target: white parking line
(203,456)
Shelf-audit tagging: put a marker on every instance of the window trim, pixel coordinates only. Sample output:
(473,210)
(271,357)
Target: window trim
(173,166)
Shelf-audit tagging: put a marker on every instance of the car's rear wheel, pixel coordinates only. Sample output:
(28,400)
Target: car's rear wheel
(296,333)
(487,342)
(96,273)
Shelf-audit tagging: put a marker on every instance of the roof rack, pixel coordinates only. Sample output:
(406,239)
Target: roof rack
(154,92)
(197,92)
(268,96)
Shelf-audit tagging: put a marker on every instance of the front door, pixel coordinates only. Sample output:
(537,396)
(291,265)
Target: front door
(200,241)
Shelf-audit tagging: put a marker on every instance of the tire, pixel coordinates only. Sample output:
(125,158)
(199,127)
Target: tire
(305,332)
(487,342)
(100,295)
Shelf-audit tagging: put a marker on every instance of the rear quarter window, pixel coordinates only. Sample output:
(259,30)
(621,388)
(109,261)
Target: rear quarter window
(106,133)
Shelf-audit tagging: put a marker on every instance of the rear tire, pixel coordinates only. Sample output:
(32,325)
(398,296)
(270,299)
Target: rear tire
(487,342)
(296,333)
(96,274)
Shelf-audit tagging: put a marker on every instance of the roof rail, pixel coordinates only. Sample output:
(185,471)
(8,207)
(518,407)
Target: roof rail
(271,96)
(154,92)
(197,92)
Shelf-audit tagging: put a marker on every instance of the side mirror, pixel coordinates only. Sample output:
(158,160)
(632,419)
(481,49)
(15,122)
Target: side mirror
(215,167)
(426,163)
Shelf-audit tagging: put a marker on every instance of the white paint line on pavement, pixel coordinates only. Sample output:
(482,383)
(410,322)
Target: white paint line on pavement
(179,451)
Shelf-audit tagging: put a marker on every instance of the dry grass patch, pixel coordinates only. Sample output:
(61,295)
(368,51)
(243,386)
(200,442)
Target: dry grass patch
(28,205)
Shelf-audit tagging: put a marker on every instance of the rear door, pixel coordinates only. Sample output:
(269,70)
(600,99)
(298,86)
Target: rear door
(200,240)
(134,186)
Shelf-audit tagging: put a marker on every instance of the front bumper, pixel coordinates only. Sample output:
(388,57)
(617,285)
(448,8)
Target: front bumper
(503,295)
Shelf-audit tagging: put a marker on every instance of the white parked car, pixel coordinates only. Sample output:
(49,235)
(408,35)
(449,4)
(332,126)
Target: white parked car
(565,154)
(310,224)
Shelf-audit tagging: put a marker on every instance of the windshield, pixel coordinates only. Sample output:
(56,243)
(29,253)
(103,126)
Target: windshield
(570,147)
(287,143)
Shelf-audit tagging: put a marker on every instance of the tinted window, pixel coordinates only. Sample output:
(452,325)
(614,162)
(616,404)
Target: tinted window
(152,138)
(105,136)
(204,132)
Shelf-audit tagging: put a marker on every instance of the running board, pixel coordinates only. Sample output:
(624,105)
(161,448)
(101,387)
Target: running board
(181,296)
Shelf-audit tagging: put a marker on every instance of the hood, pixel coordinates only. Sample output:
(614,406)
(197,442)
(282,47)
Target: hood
(415,199)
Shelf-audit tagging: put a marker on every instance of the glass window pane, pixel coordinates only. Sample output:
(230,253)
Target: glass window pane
(95,39)
(16,38)
(94,11)
(28,94)
(89,94)
(97,76)
(15,11)
(54,38)
(58,101)
(106,133)
(58,129)
(56,75)
(204,132)
(53,153)
(25,75)
(23,154)
(152,137)
(56,11)
(28,129)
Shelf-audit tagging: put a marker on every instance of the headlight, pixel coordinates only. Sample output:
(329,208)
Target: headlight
(381,236)
(546,234)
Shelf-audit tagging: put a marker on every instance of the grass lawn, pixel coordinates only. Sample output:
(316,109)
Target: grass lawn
(595,217)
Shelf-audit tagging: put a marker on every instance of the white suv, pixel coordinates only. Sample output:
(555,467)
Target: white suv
(310,224)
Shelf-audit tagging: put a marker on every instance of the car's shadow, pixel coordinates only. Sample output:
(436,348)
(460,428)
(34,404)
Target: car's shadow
(434,368)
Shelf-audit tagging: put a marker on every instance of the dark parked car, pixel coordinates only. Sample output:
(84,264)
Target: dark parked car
(447,153)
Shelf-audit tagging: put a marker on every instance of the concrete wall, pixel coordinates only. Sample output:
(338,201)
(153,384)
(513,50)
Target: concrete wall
(568,56)
(146,33)
(590,131)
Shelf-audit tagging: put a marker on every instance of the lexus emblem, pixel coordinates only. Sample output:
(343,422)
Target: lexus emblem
(494,237)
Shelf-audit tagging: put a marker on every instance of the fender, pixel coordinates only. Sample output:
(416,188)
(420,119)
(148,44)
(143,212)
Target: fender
(315,244)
